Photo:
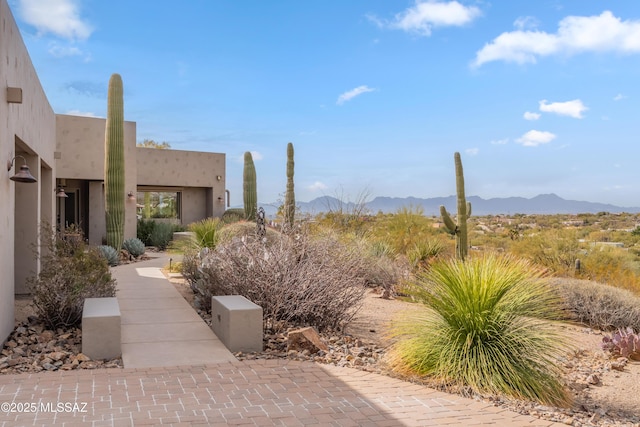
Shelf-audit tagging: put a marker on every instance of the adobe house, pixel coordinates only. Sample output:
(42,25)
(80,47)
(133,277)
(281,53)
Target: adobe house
(62,151)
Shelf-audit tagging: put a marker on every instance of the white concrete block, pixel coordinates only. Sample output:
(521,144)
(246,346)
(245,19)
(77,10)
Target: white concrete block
(101,328)
(237,322)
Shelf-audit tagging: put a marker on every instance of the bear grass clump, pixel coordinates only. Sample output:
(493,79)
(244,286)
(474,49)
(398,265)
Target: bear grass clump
(485,325)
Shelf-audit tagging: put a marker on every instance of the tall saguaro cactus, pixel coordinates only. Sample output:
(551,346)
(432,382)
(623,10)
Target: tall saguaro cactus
(289,196)
(464,212)
(114,164)
(250,191)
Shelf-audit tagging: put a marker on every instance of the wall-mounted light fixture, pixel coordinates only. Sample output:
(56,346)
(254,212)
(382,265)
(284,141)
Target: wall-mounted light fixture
(24,175)
(60,193)
(131,195)
(219,177)
(220,199)
(14,95)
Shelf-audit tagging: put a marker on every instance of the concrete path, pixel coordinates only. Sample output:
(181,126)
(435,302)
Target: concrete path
(160,328)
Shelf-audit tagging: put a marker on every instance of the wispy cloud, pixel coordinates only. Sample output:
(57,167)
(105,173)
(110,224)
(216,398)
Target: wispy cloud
(317,186)
(426,15)
(502,141)
(526,23)
(619,97)
(59,17)
(528,115)
(80,113)
(88,88)
(349,95)
(573,108)
(533,138)
(472,151)
(576,34)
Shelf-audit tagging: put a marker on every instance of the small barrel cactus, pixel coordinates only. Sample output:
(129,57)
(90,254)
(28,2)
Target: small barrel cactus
(134,246)
(110,254)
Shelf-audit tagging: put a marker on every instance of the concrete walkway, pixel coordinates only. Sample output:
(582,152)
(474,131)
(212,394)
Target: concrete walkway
(160,328)
(178,373)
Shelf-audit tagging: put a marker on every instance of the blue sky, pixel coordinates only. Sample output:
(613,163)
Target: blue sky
(376,95)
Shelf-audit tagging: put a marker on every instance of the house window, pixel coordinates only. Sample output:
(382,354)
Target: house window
(159,204)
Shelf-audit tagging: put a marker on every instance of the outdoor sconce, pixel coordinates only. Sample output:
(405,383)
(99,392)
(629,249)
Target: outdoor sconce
(14,95)
(220,199)
(131,196)
(60,193)
(24,175)
(218,177)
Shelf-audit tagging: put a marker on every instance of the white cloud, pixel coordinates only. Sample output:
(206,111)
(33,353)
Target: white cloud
(573,108)
(533,138)
(528,115)
(472,151)
(500,141)
(317,186)
(576,34)
(426,15)
(526,23)
(619,97)
(349,95)
(80,113)
(59,17)
(58,51)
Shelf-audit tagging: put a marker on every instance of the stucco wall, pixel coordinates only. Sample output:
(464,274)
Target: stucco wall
(27,129)
(178,168)
(80,143)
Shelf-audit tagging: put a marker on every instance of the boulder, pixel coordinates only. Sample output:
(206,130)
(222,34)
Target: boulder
(305,339)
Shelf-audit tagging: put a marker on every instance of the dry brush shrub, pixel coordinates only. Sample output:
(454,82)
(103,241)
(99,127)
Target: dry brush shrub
(70,272)
(297,281)
(598,305)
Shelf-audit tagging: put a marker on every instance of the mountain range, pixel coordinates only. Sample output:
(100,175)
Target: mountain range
(544,204)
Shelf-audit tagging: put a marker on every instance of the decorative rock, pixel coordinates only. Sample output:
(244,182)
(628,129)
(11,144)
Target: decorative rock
(593,379)
(306,339)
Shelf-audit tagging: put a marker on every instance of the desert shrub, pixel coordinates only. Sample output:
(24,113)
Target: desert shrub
(70,272)
(424,252)
(109,254)
(134,246)
(161,235)
(232,215)
(485,326)
(245,230)
(404,229)
(145,229)
(611,265)
(598,305)
(556,250)
(205,232)
(297,281)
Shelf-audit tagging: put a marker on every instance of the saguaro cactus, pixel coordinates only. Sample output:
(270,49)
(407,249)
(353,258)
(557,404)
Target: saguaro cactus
(114,164)
(464,212)
(250,188)
(289,196)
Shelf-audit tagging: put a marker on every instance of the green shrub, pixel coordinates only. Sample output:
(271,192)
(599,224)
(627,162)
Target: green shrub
(70,272)
(206,232)
(232,215)
(134,246)
(599,306)
(145,229)
(485,325)
(110,254)
(161,235)
(425,251)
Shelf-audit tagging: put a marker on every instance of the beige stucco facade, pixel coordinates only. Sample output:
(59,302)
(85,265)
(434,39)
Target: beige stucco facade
(68,151)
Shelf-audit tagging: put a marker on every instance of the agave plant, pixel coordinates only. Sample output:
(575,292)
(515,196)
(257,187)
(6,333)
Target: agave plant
(623,342)
(110,254)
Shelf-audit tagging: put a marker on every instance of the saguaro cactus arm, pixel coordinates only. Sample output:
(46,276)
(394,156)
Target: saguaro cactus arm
(459,229)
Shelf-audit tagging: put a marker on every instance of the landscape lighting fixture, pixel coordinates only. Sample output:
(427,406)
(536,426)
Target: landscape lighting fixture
(24,175)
